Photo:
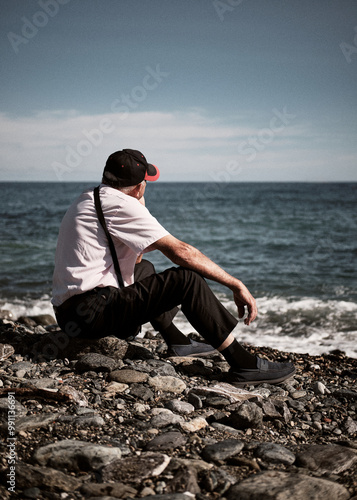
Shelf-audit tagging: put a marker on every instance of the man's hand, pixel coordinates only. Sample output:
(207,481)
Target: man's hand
(242,298)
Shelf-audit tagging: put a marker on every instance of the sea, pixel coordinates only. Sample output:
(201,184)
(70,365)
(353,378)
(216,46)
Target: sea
(294,245)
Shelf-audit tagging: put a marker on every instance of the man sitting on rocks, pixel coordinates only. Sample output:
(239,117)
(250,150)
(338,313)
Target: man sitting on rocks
(101,288)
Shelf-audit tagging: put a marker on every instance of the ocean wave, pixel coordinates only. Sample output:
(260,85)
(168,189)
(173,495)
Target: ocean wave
(28,307)
(301,325)
(289,324)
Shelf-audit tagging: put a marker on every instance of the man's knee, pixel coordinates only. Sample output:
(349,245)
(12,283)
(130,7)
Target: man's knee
(143,269)
(191,278)
(191,274)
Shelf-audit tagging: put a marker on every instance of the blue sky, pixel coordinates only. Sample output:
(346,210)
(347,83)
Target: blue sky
(209,90)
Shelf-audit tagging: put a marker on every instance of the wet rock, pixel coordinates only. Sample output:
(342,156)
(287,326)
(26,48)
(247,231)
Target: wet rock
(166,441)
(20,410)
(226,429)
(198,465)
(44,319)
(115,388)
(164,419)
(350,426)
(298,394)
(195,367)
(159,367)
(179,406)
(217,402)
(138,351)
(32,493)
(248,415)
(42,383)
(36,421)
(184,480)
(234,394)
(222,450)
(77,396)
(142,392)
(135,468)
(168,496)
(20,338)
(83,420)
(330,458)
(346,394)
(141,408)
(276,392)
(115,490)
(319,388)
(21,366)
(296,405)
(317,426)
(27,321)
(194,425)
(95,362)
(167,384)
(111,346)
(274,485)
(275,453)
(52,345)
(128,376)
(195,400)
(263,392)
(218,481)
(76,455)
(30,476)
(6,350)
(59,345)
(6,314)
(269,410)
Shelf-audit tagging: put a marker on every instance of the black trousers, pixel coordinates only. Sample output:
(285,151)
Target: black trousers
(141,271)
(153,298)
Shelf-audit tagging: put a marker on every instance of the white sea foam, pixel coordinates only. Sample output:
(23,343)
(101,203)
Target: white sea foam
(28,307)
(302,325)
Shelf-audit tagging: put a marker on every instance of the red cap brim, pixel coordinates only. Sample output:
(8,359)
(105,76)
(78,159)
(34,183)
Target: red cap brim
(152,173)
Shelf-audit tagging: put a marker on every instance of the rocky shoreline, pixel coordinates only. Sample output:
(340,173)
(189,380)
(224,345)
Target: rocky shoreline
(114,419)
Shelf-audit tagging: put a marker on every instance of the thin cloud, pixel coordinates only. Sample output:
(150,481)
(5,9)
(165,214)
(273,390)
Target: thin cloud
(69,146)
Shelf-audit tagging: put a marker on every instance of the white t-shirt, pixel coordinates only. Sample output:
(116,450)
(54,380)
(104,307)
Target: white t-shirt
(83,260)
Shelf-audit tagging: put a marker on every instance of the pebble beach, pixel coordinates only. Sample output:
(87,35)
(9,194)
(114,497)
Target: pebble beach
(114,419)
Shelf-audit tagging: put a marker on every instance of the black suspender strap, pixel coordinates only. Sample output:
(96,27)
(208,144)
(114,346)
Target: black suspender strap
(99,210)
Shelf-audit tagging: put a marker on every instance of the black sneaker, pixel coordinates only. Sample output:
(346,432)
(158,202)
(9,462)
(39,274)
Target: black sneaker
(194,349)
(266,372)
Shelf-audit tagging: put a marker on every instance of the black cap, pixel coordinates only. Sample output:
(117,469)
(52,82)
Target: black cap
(128,168)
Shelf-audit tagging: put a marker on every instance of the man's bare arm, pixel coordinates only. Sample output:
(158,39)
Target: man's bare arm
(186,255)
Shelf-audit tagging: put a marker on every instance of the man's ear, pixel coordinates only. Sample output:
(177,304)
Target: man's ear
(135,191)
